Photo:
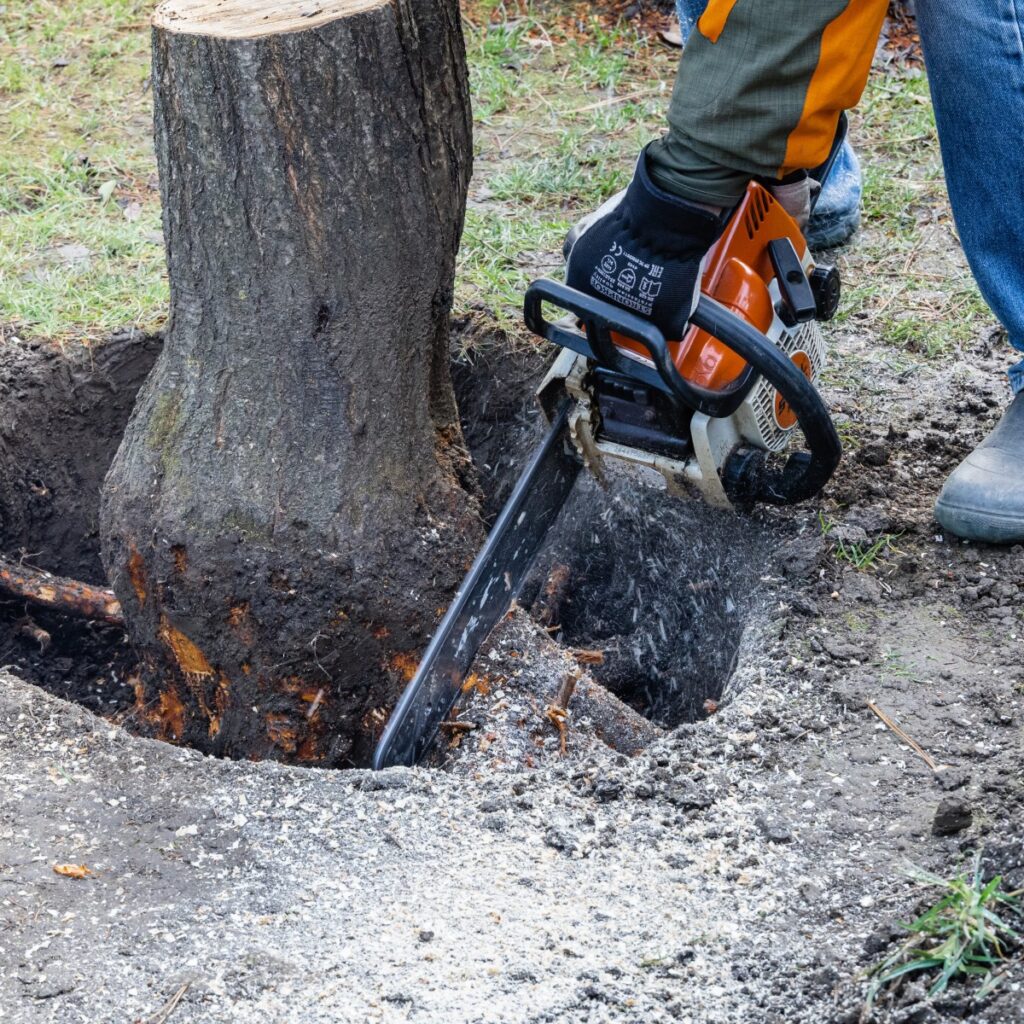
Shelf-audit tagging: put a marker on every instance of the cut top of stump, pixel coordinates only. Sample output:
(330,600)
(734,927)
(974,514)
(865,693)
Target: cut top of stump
(248,19)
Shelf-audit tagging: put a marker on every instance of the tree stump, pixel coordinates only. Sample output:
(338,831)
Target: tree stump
(291,508)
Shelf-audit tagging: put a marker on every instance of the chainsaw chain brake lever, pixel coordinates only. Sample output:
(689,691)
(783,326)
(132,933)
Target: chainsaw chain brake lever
(600,320)
(803,475)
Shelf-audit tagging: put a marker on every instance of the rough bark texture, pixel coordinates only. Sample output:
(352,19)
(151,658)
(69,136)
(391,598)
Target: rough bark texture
(288,513)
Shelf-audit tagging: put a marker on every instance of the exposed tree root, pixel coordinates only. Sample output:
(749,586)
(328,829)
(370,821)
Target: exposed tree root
(64,595)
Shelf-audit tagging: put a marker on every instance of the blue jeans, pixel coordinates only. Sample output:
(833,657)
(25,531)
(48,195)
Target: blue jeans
(974,52)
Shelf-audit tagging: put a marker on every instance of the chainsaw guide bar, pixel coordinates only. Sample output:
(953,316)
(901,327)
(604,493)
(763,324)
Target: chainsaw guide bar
(486,593)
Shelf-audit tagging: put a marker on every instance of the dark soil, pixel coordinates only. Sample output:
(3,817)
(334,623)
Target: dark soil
(85,662)
(63,415)
(64,412)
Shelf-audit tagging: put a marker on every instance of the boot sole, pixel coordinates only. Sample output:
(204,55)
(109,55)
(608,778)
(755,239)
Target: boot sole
(978,525)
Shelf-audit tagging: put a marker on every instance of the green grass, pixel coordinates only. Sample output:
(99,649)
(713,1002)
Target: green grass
(561,107)
(899,294)
(967,933)
(862,557)
(79,218)
(499,256)
(562,104)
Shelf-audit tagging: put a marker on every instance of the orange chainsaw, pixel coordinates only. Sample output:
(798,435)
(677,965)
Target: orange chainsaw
(707,411)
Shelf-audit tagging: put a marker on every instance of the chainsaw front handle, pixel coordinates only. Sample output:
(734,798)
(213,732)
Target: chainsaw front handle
(600,320)
(748,479)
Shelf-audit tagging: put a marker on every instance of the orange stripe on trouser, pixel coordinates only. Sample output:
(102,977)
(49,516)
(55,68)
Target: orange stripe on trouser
(713,20)
(847,47)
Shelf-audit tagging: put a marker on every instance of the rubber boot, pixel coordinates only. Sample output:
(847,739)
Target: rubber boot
(983,499)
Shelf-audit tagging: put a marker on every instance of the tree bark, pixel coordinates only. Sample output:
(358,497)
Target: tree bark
(291,508)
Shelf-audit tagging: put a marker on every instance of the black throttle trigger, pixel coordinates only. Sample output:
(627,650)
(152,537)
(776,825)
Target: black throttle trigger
(798,302)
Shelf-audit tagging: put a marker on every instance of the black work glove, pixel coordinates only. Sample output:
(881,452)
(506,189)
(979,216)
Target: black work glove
(643,251)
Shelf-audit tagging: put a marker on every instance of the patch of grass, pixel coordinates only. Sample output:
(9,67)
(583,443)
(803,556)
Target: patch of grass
(935,324)
(496,55)
(79,213)
(601,60)
(888,202)
(560,179)
(894,665)
(904,107)
(864,556)
(861,556)
(499,256)
(965,933)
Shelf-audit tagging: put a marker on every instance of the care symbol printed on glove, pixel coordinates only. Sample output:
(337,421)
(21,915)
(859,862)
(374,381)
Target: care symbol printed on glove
(627,279)
(649,289)
(608,265)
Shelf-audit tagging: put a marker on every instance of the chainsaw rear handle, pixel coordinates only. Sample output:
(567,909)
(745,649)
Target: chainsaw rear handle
(805,473)
(600,320)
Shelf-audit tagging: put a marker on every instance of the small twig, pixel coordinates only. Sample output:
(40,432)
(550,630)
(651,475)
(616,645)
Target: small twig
(557,712)
(27,628)
(610,102)
(170,1006)
(910,741)
(566,690)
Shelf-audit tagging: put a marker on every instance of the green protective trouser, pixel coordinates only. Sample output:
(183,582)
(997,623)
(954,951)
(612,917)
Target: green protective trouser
(760,88)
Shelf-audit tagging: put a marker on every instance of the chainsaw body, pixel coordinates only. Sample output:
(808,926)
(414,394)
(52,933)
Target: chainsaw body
(696,410)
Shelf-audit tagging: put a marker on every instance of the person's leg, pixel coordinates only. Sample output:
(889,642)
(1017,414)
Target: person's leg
(837,212)
(974,54)
(759,92)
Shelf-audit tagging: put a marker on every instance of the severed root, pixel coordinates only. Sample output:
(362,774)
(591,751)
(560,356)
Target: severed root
(557,712)
(547,609)
(63,595)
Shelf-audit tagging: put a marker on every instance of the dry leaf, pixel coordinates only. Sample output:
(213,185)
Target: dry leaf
(71,870)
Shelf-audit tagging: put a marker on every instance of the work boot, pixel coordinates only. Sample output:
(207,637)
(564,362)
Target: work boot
(983,499)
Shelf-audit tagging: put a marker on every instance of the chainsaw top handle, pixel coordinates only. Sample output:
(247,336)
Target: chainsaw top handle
(804,473)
